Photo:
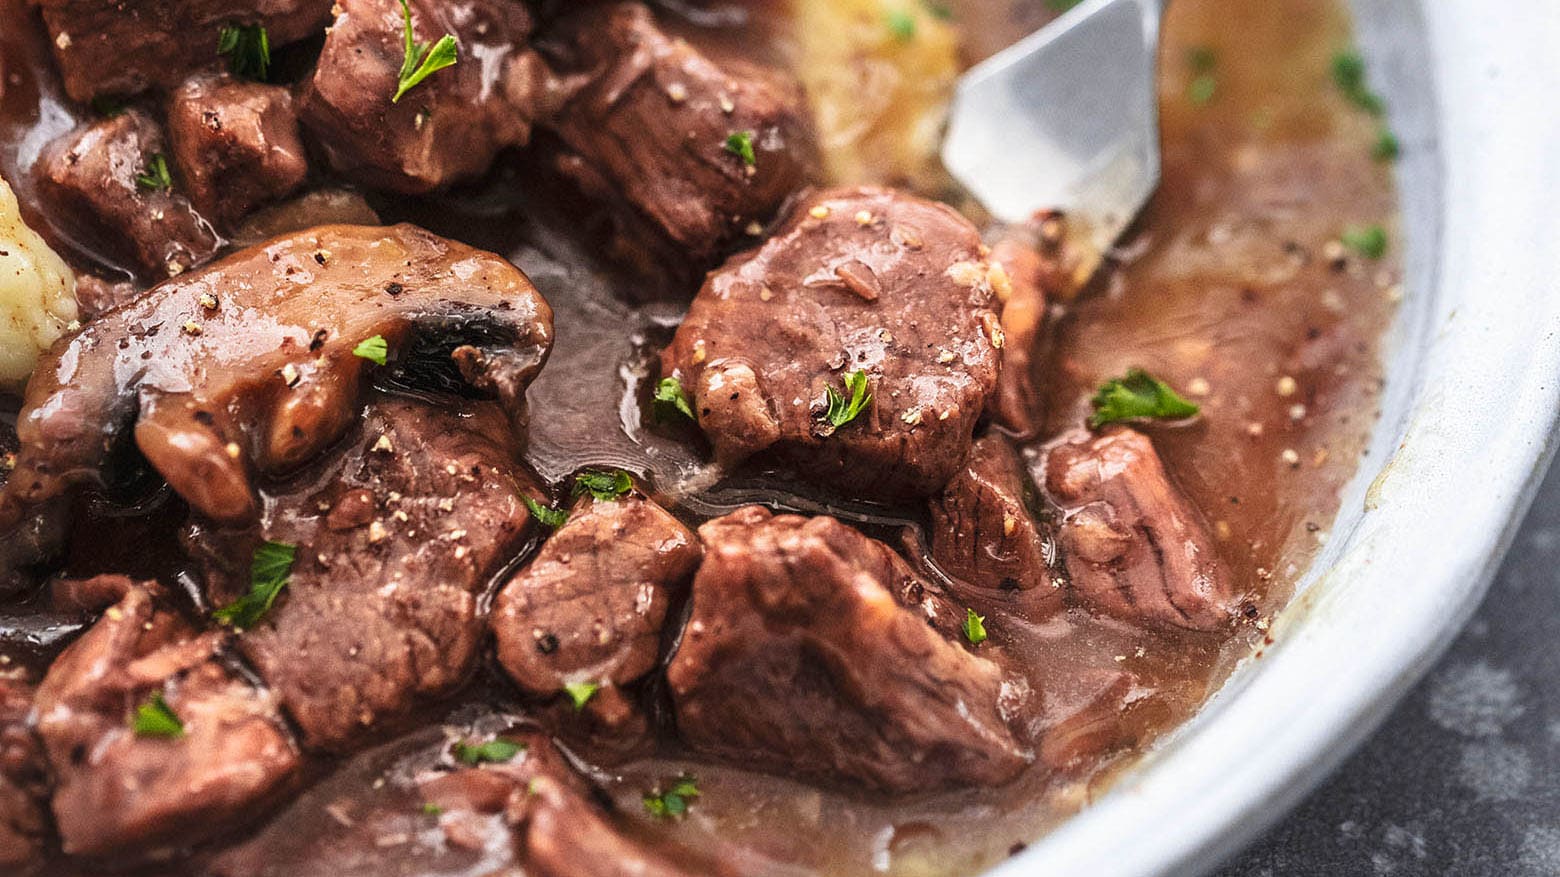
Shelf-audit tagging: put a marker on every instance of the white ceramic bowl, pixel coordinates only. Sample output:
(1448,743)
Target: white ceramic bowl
(1472,395)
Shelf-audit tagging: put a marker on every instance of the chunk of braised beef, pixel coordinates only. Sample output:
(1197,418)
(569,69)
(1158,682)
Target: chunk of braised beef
(797,658)
(447,128)
(1039,268)
(236,145)
(687,150)
(97,295)
(123,47)
(985,536)
(1133,545)
(108,176)
(24,780)
(248,366)
(124,790)
(868,280)
(589,609)
(396,537)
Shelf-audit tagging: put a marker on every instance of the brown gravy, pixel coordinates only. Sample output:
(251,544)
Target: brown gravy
(1226,290)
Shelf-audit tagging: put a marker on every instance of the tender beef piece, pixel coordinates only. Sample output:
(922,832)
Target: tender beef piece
(798,659)
(236,145)
(866,279)
(90,174)
(1039,269)
(397,536)
(89,597)
(24,778)
(247,366)
(649,117)
(590,606)
(122,47)
(449,127)
(1134,546)
(984,535)
(121,794)
(96,295)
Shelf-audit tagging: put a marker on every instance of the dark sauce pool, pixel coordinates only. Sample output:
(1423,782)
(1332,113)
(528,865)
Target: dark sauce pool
(1226,289)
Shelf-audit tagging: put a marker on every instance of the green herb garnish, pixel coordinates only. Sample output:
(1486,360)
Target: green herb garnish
(671,399)
(901,25)
(974,627)
(1204,85)
(673,803)
(938,9)
(1061,5)
(580,693)
(374,349)
(155,719)
(431,809)
(1348,71)
(548,517)
(1386,147)
(604,485)
(491,752)
(1369,241)
(156,176)
(740,144)
(247,48)
(843,408)
(420,61)
(1138,395)
(268,572)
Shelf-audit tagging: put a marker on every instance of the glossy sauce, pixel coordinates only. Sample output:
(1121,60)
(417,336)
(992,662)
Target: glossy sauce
(1225,290)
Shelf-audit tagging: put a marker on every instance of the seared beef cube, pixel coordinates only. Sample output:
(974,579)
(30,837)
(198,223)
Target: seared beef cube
(23,780)
(797,658)
(447,128)
(671,133)
(985,536)
(396,537)
(122,47)
(588,610)
(124,787)
(1039,269)
(865,280)
(1134,546)
(236,144)
(108,176)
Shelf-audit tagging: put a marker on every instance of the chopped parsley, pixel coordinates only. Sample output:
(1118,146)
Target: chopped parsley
(580,693)
(268,573)
(740,144)
(547,517)
(155,176)
(901,25)
(373,349)
(1204,85)
(1061,5)
(155,719)
(421,61)
(247,48)
(1386,147)
(431,809)
(1348,72)
(491,752)
(843,408)
(672,803)
(1138,395)
(1369,241)
(938,9)
(671,399)
(974,627)
(604,485)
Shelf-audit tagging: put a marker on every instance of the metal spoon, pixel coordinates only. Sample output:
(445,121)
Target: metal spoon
(1066,118)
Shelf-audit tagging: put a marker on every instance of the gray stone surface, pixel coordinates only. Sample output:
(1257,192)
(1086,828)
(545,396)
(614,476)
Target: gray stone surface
(1464,778)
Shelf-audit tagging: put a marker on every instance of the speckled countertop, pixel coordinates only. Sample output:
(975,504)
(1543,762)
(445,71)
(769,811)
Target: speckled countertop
(1464,779)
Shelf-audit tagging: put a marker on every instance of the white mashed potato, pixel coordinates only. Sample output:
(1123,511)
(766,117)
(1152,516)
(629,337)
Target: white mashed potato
(37,295)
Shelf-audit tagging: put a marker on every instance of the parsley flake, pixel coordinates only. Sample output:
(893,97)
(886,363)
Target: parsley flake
(155,177)
(842,408)
(431,809)
(1369,241)
(1061,5)
(901,25)
(581,693)
(1348,72)
(1386,147)
(672,803)
(268,573)
(938,9)
(1204,85)
(491,752)
(604,485)
(974,627)
(154,718)
(547,517)
(247,48)
(420,60)
(374,349)
(740,144)
(1138,395)
(671,399)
